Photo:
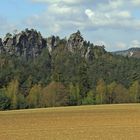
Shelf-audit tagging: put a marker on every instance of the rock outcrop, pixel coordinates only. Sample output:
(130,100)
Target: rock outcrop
(1,46)
(28,43)
(75,41)
(8,40)
(1,42)
(52,43)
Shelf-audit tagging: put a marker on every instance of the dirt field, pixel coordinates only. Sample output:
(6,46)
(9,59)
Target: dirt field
(102,122)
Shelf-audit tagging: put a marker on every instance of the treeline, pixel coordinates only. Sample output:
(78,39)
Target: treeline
(56,94)
(64,78)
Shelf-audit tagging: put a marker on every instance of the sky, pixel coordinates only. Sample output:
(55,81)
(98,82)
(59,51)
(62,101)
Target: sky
(113,23)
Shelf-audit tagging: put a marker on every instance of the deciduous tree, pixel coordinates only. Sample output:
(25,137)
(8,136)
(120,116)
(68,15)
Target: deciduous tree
(55,94)
(101,91)
(134,92)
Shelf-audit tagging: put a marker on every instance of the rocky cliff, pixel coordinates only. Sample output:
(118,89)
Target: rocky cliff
(1,42)
(52,42)
(75,41)
(30,43)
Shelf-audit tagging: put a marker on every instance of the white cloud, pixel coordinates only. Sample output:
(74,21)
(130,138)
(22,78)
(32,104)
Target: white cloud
(124,14)
(56,28)
(89,13)
(114,4)
(115,19)
(60,1)
(109,5)
(135,2)
(106,14)
(135,44)
(59,15)
(121,45)
(61,9)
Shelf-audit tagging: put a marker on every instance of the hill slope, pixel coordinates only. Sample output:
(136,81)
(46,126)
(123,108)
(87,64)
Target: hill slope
(132,52)
(44,72)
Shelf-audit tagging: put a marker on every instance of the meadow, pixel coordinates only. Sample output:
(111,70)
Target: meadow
(98,122)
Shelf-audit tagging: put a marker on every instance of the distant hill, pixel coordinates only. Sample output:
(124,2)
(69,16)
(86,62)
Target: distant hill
(132,52)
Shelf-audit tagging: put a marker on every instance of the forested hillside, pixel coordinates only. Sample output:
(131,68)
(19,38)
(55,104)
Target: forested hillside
(45,72)
(132,52)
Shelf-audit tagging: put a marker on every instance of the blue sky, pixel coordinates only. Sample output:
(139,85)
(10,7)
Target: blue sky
(114,23)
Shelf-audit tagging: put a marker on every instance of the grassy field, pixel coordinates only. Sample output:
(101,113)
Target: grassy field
(102,122)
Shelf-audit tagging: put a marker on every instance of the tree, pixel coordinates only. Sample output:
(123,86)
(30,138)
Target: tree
(21,101)
(12,91)
(110,96)
(60,64)
(27,84)
(55,94)
(121,94)
(134,92)
(101,91)
(41,72)
(4,100)
(90,99)
(74,95)
(83,79)
(34,97)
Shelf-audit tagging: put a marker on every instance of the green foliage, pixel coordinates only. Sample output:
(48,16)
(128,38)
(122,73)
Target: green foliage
(21,101)
(110,96)
(34,97)
(4,100)
(90,99)
(134,92)
(101,92)
(74,95)
(55,94)
(121,94)
(63,78)
(12,91)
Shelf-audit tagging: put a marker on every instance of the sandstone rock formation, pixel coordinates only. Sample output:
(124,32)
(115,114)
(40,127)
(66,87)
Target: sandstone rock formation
(28,43)
(75,41)
(1,42)
(52,43)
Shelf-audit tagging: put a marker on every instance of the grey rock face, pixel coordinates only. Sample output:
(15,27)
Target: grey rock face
(1,42)
(1,46)
(75,41)
(8,40)
(90,53)
(52,43)
(8,43)
(28,43)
